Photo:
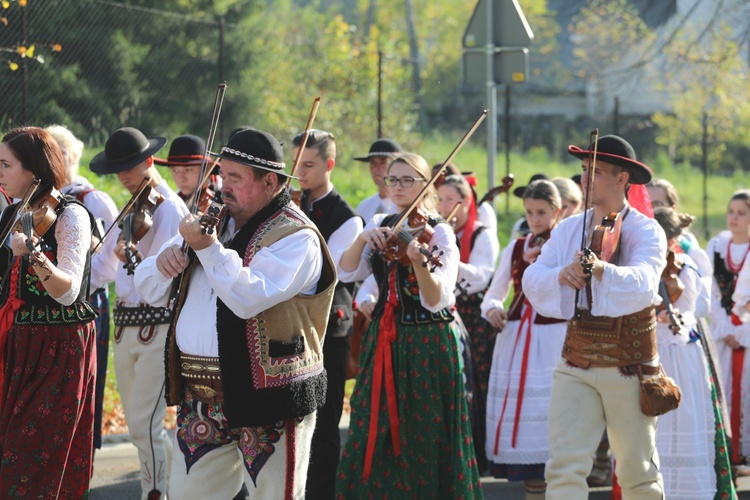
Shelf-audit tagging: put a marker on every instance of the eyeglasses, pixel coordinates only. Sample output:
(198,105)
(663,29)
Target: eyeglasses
(407,181)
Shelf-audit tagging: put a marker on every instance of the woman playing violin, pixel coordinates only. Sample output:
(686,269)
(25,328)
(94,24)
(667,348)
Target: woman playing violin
(525,353)
(410,351)
(692,430)
(46,328)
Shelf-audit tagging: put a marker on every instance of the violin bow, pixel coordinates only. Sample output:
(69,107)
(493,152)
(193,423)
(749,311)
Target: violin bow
(26,197)
(405,215)
(206,176)
(308,127)
(144,183)
(590,172)
(205,172)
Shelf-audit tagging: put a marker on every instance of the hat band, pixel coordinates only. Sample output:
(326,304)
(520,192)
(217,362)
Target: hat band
(380,153)
(269,163)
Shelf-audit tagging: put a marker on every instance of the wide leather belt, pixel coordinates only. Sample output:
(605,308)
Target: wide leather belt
(202,376)
(141,316)
(602,341)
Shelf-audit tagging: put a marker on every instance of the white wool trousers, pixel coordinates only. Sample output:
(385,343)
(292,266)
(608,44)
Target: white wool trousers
(583,403)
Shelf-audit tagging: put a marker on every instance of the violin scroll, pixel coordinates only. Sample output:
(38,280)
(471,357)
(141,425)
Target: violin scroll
(212,217)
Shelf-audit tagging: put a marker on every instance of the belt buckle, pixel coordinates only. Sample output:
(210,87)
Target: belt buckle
(204,391)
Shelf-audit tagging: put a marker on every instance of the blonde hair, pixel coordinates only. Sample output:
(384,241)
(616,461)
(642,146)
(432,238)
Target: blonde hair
(419,164)
(69,143)
(568,189)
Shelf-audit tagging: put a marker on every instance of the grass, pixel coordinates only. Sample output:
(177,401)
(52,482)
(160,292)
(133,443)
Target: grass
(352,180)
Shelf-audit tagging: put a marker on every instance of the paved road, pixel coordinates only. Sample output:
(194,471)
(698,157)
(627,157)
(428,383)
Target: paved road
(116,477)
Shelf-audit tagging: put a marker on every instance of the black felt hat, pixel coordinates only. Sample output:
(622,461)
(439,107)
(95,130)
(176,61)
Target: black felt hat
(255,148)
(382,147)
(617,151)
(125,148)
(518,192)
(185,150)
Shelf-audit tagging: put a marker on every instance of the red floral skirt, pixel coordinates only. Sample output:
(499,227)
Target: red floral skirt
(47,413)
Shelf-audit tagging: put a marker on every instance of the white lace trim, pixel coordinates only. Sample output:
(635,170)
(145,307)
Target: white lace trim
(73,234)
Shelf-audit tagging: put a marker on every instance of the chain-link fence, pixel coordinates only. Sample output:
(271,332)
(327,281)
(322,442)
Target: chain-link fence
(118,64)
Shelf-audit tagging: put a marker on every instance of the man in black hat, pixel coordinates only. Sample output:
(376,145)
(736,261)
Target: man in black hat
(611,334)
(245,359)
(184,161)
(140,329)
(382,151)
(340,226)
(521,226)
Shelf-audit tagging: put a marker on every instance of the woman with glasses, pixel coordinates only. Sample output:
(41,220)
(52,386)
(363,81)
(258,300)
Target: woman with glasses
(409,429)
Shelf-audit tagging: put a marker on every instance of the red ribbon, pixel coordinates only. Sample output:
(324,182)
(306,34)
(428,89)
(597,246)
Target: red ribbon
(528,313)
(468,231)
(738,360)
(8,314)
(384,368)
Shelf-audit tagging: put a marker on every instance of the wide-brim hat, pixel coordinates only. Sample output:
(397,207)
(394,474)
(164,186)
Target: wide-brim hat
(255,148)
(185,151)
(125,148)
(617,151)
(382,147)
(518,192)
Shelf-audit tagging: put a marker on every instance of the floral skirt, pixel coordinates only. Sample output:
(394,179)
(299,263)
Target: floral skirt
(47,414)
(437,456)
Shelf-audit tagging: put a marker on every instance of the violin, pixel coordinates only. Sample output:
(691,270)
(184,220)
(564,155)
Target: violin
(413,223)
(605,240)
(419,226)
(507,183)
(671,275)
(675,319)
(136,222)
(39,214)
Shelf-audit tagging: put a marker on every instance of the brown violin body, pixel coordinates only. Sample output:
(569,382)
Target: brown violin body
(417,226)
(606,237)
(671,276)
(136,222)
(44,211)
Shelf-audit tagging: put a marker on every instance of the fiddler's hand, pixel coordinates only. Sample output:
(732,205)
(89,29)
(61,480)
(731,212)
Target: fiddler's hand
(417,252)
(19,245)
(122,256)
(192,231)
(375,238)
(731,341)
(171,261)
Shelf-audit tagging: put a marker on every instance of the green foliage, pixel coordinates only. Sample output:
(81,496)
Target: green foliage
(710,84)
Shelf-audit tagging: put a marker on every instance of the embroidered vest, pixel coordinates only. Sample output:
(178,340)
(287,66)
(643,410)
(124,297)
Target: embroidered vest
(272,363)
(329,214)
(409,310)
(39,307)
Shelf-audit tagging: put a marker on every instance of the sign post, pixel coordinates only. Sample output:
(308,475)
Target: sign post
(495,51)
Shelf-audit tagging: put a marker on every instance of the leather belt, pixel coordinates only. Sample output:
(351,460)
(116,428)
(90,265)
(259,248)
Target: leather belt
(202,376)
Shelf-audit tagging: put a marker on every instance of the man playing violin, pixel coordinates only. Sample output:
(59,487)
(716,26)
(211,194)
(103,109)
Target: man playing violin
(611,330)
(340,226)
(140,329)
(184,162)
(245,359)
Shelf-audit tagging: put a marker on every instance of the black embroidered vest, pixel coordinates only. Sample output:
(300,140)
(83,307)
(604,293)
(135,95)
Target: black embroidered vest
(329,214)
(39,307)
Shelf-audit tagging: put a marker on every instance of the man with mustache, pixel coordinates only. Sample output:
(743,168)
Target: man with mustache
(245,358)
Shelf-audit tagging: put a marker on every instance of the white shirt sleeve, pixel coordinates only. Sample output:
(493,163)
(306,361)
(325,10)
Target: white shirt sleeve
(363,269)
(342,238)
(475,275)
(502,280)
(276,273)
(104,261)
(73,235)
(368,291)
(445,239)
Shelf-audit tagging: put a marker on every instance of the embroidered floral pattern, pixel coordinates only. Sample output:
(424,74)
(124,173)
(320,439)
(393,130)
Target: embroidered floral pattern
(202,428)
